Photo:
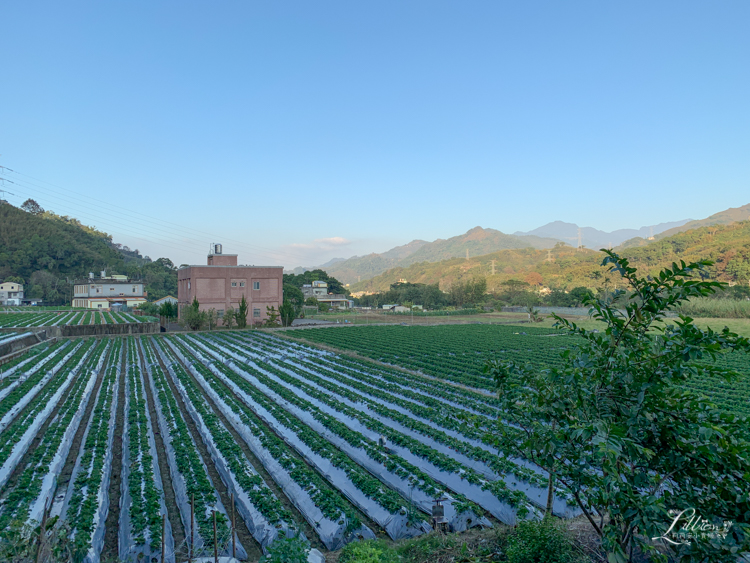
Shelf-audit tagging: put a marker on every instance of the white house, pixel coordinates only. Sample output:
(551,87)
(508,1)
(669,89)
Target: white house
(11,294)
(102,293)
(319,290)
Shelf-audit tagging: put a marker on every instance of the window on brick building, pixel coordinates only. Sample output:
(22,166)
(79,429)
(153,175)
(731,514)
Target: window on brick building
(256,313)
(256,285)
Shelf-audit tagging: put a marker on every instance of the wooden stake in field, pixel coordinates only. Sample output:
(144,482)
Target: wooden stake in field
(234,541)
(192,519)
(163,524)
(42,532)
(216,547)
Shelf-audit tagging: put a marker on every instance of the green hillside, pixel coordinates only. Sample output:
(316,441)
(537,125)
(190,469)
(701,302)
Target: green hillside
(477,242)
(726,217)
(565,267)
(358,267)
(44,251)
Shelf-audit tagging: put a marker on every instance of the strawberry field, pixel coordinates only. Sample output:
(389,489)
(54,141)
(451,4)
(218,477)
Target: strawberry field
(458,353)
(60,318)
(231,440)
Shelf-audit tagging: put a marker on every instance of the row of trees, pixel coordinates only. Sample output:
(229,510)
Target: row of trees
(474,293)
(196,319)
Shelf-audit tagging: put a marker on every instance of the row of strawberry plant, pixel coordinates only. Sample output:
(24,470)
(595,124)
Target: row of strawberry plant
(189,475)
(451,430)
(21,423)
(329,513)
(23,386)
(265,515)
(411,446)
(24,365)
(381,503)
(480,403)
(26,501)
(142,504)
(86,501)
(437,400)
(310,423)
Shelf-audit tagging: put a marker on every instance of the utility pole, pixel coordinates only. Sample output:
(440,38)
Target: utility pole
(467,253)
(493,267)
(549,256)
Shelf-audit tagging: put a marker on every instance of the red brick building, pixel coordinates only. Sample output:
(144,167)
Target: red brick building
(222,283)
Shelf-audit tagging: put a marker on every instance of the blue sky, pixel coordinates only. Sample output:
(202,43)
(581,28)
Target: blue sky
(297,131)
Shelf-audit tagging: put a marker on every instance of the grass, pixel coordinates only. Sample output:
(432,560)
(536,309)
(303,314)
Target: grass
(574,540)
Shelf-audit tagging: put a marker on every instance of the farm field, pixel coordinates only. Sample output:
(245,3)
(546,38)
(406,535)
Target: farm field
(458,353)
(246,426)
(60,318)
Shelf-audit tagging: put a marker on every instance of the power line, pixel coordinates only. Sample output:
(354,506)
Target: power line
(253,249)
(123,213)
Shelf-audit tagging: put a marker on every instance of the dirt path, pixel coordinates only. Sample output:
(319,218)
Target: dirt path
(112,524)
(178,529)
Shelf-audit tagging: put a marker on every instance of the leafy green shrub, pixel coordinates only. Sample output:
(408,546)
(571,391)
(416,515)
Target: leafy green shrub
(540,542)
(287,550)
(370,551)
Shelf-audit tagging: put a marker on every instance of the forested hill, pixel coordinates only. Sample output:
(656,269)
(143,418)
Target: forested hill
(476,242)
(43,251)
(565,267)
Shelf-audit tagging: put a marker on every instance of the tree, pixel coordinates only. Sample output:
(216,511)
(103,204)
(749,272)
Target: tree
(149,309)
(312,301)
(294,295)
(620,432)
(168,310)
(581,295)
(288,313)
(212,318)
(229,317)
(14,279)
(31,206)
(272,316)
(241,314)
(192,317)
(533,278)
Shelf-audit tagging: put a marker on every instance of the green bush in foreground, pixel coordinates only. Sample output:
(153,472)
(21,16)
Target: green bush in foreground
(540,542)
(287,550)
(370,551)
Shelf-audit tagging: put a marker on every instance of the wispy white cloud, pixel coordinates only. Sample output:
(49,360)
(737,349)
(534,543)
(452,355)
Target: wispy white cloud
(317,251)
(322,244)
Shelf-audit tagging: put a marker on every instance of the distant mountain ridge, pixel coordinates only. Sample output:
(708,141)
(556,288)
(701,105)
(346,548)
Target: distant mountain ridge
(480,241)
(596,239)
(476,241)
(565,267)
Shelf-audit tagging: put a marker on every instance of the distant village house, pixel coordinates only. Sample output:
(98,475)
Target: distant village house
(319,290)
(108,292)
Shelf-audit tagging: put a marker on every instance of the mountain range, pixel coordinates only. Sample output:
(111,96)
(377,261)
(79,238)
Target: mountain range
(565,267)
(480,241)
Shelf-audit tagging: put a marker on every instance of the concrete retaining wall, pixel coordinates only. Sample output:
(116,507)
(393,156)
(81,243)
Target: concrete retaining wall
(101,330)
(22,343)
